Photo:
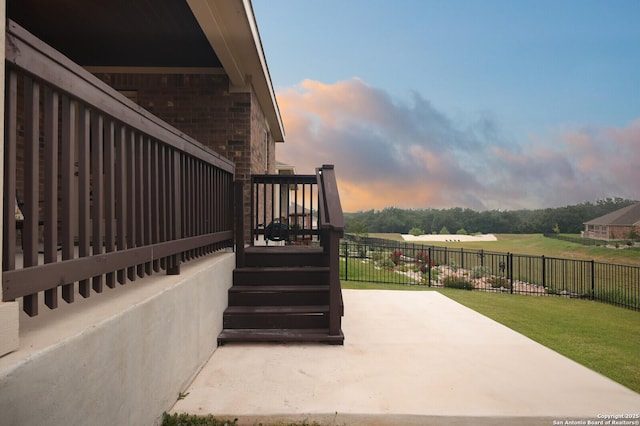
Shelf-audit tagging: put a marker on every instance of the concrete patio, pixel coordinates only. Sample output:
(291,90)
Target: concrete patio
(412,358)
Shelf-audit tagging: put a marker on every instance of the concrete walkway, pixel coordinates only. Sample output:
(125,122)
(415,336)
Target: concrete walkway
(411,358)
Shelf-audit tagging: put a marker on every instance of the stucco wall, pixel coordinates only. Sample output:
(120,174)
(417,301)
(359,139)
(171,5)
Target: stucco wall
(120,357)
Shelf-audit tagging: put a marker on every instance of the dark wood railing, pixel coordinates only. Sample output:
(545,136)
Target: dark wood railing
(331,221)
(309,208)
(284,207)
(108,192)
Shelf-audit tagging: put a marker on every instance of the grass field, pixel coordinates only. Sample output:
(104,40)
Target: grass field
(536,244)
(601,337)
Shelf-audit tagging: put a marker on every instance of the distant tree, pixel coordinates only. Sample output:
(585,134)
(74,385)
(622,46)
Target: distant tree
(461,231)
(556,228)
(569,219)
(358,228)
(444,230)
(415,231)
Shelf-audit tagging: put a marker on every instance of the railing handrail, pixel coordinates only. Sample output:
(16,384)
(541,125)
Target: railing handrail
(31,55)
(331,220)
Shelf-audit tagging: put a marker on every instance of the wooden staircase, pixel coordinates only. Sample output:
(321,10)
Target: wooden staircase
(281,294)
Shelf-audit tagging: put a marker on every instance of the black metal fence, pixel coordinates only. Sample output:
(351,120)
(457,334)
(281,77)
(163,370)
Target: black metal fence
(386,261)
(631,243)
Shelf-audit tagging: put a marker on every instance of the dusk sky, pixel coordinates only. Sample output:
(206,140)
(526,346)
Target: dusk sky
(492,104)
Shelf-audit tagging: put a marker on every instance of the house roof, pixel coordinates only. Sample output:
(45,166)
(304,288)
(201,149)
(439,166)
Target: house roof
(625,216)
(157,34)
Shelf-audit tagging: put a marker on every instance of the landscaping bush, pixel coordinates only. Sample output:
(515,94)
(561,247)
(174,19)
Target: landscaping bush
(479,272)
(435,273)
(387,263)
(396,257)
(453,281)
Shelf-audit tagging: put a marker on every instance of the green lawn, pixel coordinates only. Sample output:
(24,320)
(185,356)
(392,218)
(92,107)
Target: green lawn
(601,337)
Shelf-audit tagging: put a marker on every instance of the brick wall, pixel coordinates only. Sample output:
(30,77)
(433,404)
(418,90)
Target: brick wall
(231,123)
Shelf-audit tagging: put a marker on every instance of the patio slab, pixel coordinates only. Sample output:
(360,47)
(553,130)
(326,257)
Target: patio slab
(414,358)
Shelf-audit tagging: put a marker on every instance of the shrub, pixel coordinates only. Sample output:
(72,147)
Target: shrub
(479,272)
(378,256)
(396,257)
(461,231)
(423,263)
(387,263)
(453,281)
(435,273)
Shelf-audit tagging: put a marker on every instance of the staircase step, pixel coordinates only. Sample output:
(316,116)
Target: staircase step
(316,335)
(281,276)
(278,295)
(285,310)
(271,317)
(284,256)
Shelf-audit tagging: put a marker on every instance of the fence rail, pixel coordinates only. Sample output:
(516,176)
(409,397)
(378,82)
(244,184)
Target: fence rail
(103,192)
(387,261)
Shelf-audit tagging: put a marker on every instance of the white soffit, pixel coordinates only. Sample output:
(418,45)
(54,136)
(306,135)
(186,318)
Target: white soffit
(231,29)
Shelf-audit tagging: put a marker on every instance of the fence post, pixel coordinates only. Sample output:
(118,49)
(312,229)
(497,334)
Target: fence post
(429,267)
(461,258)
(346,260)
(593,279)
(510,262)
(544,272)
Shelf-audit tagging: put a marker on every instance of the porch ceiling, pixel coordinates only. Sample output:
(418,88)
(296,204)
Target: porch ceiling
(124,33)
(157,33)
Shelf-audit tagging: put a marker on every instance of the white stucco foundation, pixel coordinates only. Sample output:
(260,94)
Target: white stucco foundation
(8,327)
(120,357)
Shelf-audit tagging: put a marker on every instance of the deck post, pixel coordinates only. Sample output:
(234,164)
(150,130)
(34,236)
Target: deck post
(335,292)
(239,222)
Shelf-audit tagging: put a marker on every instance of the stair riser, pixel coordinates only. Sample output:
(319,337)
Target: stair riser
(275,321)
(278,298)
(249,277)
(268,260)
(279,336)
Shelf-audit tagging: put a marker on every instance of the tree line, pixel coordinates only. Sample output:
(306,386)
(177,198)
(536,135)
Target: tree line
(568,219)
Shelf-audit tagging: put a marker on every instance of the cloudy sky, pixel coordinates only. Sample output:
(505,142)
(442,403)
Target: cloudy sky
(492,104)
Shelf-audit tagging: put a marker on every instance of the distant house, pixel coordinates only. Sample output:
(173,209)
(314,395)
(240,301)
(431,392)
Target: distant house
(617,225)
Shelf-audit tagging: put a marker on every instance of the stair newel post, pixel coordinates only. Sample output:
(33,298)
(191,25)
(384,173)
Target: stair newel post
(239,222)
(335,302)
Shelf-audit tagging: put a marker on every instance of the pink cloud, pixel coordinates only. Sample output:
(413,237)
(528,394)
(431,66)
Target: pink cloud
(406,153)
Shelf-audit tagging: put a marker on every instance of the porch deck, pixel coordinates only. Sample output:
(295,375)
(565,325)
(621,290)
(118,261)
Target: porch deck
(412,358)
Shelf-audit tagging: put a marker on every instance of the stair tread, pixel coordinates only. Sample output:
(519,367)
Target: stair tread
(279,288)
(296,309)
(279,250)
(262,269)
(279,335)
